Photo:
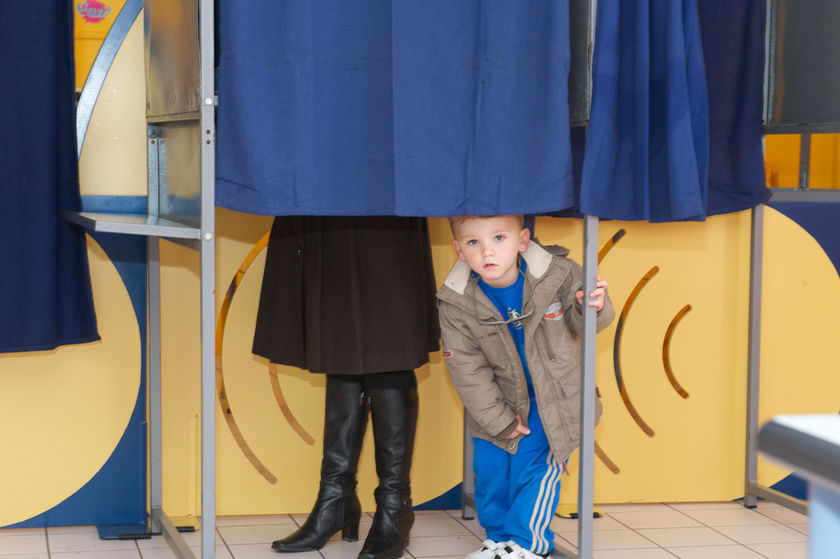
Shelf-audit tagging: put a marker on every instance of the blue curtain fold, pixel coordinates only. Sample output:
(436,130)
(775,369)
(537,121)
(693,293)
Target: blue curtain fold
(647,142)
(45,295)
(733,50)
(433,108)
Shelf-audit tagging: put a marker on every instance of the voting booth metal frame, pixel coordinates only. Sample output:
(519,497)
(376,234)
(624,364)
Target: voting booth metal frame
(178,38)
(180,117)
(804,104)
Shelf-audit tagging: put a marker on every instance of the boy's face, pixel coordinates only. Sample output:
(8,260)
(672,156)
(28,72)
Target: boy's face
(490,246)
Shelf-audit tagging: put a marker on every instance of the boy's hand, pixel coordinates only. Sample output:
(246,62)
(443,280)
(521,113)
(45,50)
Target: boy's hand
(520,429)
(596,296)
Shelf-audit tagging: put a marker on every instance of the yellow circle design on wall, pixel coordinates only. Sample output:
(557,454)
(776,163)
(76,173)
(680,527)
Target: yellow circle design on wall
(59,440)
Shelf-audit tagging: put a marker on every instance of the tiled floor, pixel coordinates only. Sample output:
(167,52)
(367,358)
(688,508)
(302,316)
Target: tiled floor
(644,531)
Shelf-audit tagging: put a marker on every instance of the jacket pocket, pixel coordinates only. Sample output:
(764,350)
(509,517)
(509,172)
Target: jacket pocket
(570,383)
(557,345)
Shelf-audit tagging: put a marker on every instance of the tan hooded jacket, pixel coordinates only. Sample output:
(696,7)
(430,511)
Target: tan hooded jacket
(485,366)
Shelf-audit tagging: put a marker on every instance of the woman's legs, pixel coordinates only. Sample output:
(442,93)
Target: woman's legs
(337,506)
(393,407)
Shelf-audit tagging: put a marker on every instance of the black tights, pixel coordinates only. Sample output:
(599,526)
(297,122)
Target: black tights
(393,379)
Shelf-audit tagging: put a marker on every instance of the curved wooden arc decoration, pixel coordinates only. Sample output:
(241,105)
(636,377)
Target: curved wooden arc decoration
(622,319)
(284,407)
(599,452)
(666,351)
(275,382)
(617,236)
(220,380)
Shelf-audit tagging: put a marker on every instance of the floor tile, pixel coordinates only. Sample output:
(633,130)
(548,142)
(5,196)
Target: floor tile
(715,552)
(264,534)
(299,518)
(254,520)
(472,525)
(436,513)
(706,506)
(341,550)
(798,550)
(63,540)
(775,533)
(612,539)
(192,539)
(729,517)
(27,556)
(563,549)
(781,514)
(799,527)
(630,507)
(655,553)
(23,543)
(657,518)
(98,554)
(23,531)
(441,546)
(263,551)
(559,524)
(681,537)
(169,553)
(437,526)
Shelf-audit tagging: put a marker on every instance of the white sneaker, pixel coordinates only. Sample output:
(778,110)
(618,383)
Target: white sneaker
(519,552)
(489,550)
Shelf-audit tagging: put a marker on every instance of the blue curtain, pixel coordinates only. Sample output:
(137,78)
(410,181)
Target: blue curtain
(45,297)
(647,143)
(733,50)
(439,107)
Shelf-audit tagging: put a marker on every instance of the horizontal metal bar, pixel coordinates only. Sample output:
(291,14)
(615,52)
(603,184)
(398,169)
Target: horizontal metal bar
(812,128)
(172,535)
(769,494)
(804,195)
(133,224)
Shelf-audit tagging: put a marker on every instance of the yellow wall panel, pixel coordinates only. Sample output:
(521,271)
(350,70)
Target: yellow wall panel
(66,409)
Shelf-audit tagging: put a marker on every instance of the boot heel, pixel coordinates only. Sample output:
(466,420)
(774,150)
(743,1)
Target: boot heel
(350,530)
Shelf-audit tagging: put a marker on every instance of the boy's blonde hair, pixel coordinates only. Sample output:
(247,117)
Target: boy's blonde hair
(459,219)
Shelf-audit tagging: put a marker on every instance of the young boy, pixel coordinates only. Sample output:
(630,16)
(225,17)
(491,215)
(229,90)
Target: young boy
(511,316)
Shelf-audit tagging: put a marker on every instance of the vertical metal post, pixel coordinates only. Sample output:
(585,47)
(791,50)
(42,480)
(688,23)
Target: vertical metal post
(468,485)
(804,160)
(154,383)
(587,392)
(208,283)
(754,354)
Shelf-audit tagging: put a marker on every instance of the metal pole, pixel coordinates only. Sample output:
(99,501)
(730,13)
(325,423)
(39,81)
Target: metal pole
(208,283)
(154,390)
(804,160)
(468,486)
(587,392)
(754,354)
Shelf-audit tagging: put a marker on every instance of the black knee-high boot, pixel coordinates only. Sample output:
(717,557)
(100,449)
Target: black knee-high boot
(337,506)
(394,419)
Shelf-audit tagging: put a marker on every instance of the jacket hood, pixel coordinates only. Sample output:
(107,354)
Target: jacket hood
(536,256)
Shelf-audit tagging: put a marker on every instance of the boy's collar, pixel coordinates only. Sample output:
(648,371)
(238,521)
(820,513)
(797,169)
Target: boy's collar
(537,258)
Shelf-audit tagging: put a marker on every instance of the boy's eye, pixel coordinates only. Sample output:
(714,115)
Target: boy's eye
(472,242)
(500,237)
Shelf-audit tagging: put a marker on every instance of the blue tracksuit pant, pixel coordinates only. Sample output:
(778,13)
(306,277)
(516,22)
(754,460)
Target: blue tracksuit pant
(516,495)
